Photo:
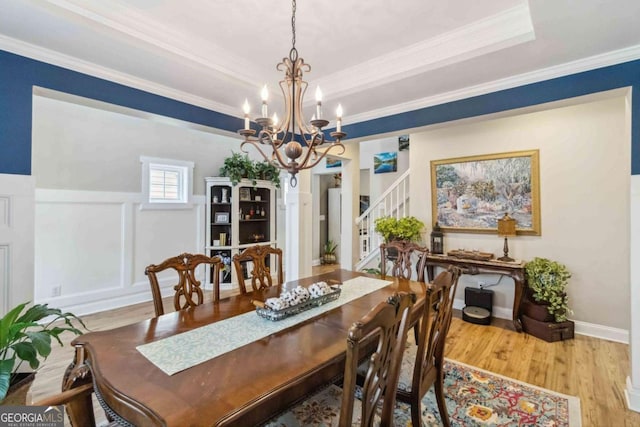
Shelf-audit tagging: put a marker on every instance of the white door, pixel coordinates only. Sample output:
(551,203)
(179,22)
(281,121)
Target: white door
(17,204)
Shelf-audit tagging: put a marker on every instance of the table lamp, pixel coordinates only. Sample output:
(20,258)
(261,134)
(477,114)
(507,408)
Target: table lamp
(506,229)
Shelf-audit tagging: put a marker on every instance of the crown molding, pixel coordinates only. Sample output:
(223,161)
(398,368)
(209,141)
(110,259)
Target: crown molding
(140,27)
(75,64)
(597,61)
(496,32)
(56,58)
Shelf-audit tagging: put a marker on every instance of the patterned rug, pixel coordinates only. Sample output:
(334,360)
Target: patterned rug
(480,398)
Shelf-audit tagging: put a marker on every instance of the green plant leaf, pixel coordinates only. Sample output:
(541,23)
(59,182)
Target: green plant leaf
(6,322)
(405,228)
(6,367)
(25,336)
(26,351)
(41,342)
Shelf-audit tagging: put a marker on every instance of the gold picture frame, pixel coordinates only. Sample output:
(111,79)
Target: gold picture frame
(470,194)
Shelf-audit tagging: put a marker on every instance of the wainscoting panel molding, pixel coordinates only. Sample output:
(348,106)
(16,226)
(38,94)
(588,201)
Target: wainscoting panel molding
(91,247)
(16,240)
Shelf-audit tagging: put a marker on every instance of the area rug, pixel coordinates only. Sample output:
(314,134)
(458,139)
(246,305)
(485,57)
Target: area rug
(476,397)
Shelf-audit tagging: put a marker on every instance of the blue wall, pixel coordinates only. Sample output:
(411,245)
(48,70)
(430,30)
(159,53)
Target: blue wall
(18,75)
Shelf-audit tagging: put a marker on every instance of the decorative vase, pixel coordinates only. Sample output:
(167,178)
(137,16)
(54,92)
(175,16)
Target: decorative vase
(18,390)
(329,258)
(225,198)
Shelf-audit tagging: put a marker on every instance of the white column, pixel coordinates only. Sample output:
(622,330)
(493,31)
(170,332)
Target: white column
(350,207)
(632,391)
(298,254)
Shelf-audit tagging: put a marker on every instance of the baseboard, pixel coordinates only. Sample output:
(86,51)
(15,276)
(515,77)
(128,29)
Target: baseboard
(581,328)
(632,396)
(602,332)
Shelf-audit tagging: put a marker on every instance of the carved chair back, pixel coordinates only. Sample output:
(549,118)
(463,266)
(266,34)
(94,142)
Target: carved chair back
(260,274)
(388,322)
(399,253)
(434,326)
(188,292)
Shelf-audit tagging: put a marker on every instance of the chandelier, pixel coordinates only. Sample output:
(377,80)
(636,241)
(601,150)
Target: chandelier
(293,143)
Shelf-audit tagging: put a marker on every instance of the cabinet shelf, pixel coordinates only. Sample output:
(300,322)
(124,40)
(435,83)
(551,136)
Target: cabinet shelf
(237,233)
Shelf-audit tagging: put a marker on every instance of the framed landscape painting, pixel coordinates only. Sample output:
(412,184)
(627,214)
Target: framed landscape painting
(470,194)
(333,163)
(385,162)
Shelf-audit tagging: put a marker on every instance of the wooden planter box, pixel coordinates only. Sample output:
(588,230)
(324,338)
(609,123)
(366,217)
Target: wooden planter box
(535,310)
(548,331)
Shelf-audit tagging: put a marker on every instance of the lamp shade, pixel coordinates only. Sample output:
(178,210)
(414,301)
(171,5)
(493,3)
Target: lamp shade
(506,226)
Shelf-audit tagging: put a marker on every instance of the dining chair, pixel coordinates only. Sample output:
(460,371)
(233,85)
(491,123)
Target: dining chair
(260,273)
(387,324)
(399,253)
(75,401)
(188,292)
(422,365)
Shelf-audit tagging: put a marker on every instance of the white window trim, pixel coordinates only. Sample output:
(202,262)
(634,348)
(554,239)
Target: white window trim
(188,182)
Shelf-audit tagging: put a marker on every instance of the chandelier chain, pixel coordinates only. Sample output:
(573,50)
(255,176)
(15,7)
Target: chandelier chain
(293,24)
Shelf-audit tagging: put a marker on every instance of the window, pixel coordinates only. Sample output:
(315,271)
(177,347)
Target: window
(166,183)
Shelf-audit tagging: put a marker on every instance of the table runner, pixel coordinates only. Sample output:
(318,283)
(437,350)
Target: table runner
(179,352)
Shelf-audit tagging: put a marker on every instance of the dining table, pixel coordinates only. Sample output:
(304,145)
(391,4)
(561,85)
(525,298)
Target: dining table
(224,385)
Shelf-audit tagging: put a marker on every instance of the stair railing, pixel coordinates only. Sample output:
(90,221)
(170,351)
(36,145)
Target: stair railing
(393,202)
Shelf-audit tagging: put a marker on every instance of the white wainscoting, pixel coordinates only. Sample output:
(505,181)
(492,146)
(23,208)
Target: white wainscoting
(91,247)
(16,240)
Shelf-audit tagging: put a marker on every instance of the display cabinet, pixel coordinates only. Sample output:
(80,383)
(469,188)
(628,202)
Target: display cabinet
(237,217)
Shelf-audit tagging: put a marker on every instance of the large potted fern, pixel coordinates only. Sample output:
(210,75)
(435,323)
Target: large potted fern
(25,336)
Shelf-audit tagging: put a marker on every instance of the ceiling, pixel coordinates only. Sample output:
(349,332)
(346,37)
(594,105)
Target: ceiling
(375,57)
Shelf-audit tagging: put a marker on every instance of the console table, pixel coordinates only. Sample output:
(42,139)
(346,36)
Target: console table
(515,270)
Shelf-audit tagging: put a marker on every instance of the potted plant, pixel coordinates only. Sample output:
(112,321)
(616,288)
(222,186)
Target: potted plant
(405,228)
(547,281)
(239,166)
(268,172)
(25,336)
(329,256)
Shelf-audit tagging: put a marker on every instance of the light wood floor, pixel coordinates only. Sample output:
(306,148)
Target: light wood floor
(590,368)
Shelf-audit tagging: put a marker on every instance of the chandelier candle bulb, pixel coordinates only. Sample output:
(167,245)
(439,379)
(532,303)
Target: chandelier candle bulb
(265,98)
(246,110)
(318,103)
(339,118)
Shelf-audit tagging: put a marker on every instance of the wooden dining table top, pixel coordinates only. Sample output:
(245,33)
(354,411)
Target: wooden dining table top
(243,387)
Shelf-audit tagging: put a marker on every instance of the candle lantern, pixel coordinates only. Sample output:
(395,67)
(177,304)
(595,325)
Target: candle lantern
(437,240)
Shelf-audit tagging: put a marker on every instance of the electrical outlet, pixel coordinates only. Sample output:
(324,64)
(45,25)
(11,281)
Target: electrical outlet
(481,284)
(56,291)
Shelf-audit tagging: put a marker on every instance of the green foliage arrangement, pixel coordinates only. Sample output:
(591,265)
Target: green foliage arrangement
(239,166)
(330,247)
(548,281)
(405,228)
(23,339)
